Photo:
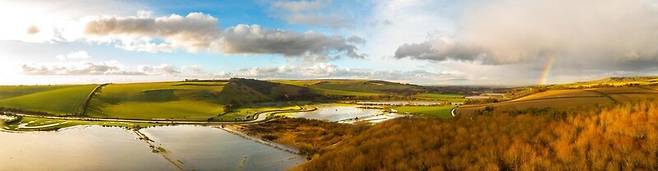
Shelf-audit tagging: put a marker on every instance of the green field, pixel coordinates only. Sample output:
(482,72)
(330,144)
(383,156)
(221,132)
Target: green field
(59,100)
(246,113)
(42,124)
(165,100)
(426,111)
(441,97)
(568,100)
(358,88)
(201,99)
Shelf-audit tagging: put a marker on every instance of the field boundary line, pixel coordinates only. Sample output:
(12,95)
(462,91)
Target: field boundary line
(603,94)
(85,105)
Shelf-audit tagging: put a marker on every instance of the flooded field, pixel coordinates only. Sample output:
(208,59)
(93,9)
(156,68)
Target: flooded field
(78,148)
(203,148)
(94,147)
(400,103)
(346,113)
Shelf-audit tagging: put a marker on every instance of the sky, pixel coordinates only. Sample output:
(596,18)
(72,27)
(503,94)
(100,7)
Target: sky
(428,42)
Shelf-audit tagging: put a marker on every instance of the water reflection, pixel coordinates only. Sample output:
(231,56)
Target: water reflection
(77,148)
(101,148)
(203,148)
(345,113)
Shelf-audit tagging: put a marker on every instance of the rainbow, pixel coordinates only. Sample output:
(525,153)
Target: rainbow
(546,71)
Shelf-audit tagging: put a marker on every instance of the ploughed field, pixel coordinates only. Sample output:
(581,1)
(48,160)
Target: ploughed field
(563,100)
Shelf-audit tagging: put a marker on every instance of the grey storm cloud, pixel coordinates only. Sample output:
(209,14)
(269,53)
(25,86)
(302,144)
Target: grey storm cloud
(437,50)
(586,33)
(200,32)
(254,39)
(195,31)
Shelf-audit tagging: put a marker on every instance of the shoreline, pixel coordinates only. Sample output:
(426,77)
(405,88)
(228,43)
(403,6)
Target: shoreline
(261,141)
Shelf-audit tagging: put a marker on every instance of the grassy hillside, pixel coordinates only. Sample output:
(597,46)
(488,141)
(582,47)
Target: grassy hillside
(245,91)
(615,81)
(61,100)
(165,100)
(189,100)
(200,99)
(356,88)
(567,99)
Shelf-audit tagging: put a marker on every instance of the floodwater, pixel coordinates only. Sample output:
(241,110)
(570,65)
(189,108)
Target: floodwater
(102,148)
(345,113)
(203,148)
(400,103)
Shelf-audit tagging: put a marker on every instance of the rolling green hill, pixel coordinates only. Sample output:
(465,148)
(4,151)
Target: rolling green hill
(573,96)
(356,88)
(244,91)
(164,100)
(59,100)
(199,99)
(613,81)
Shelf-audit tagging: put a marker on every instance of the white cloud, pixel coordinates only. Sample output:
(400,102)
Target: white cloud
(200,32)
(163,69)
(78,68)
(43,21)
(325,70)
(78,63)
(76,55)
(591,33)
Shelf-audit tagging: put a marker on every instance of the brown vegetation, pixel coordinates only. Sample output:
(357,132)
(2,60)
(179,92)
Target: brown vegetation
(624,137)
(309,136)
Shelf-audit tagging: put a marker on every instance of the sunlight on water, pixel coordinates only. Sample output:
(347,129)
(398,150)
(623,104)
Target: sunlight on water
(204,148)
(343,113)
(78,148)
(94,148)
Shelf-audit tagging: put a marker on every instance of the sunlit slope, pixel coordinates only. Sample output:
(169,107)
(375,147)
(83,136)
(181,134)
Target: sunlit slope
(60,100)
(357,88)
(165,100)
(187,100)
(615,81)
(568,99)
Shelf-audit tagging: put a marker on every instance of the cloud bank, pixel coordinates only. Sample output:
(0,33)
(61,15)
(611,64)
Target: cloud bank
(200,32)
(588,33)
(326,70)
(254,39)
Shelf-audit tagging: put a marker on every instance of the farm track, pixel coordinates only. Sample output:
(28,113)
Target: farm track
(85,105)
